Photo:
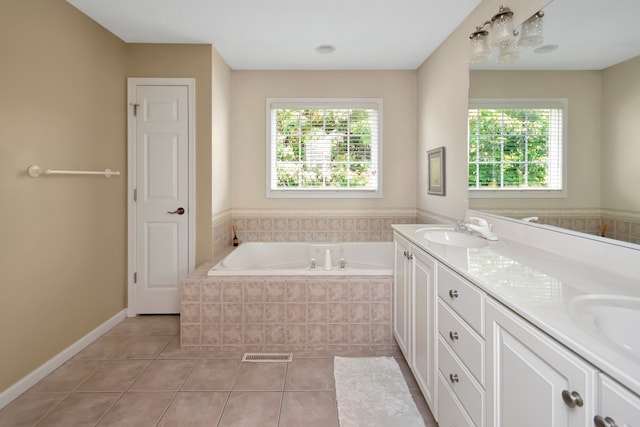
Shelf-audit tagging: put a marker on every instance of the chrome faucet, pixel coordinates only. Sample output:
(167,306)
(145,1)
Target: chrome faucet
(482,228)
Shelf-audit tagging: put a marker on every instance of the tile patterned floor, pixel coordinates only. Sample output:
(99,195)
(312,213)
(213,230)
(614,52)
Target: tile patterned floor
(136,375)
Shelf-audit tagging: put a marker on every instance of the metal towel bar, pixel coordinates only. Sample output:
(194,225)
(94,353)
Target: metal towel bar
(35,171)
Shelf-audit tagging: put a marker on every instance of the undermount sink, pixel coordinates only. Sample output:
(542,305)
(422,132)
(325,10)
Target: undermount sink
(453,238)
(613,318)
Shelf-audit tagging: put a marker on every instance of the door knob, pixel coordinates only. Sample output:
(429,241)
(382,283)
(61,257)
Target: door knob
(178,211)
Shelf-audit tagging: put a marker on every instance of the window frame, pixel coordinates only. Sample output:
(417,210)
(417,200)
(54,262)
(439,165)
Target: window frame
(320,193)
(523,103)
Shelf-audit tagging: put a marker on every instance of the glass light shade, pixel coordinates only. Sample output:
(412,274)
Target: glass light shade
(531,32)
(502,28)
(480,51)
(508,53)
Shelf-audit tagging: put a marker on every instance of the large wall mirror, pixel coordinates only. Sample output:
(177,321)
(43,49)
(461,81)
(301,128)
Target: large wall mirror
(590,58)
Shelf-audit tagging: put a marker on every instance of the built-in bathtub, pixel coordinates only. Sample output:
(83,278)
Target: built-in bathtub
(282,258)
(267,296)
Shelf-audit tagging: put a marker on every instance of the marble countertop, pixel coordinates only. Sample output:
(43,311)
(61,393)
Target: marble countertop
(546,290)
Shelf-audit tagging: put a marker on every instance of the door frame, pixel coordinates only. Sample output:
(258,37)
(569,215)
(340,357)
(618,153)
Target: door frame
(131,177)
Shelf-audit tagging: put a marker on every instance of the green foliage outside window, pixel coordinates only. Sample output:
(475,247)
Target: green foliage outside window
(510,148)
(325,148)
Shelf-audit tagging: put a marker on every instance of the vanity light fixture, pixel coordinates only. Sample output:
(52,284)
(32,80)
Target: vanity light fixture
(499,33)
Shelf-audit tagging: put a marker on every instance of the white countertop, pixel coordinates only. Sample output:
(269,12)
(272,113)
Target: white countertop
(542,288)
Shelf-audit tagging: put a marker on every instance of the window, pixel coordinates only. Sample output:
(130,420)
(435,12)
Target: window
(516,148)
(324,147)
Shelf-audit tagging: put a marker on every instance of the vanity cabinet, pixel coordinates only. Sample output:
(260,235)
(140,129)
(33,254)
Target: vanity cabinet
(461,350)
(532,380)
(415,314)
(618,406)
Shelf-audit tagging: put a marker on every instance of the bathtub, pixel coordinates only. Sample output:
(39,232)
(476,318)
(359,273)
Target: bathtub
(294,258)
(264,296)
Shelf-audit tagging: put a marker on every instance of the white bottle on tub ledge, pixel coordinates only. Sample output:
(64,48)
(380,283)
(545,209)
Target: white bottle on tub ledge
(327,259)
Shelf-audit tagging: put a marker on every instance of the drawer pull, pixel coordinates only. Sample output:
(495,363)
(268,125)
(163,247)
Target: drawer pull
(604,422)
(572,399)
(453,293)
(454,378)
(453,335)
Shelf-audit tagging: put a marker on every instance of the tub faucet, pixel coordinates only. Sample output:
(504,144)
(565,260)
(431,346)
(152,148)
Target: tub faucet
(343,264)
(313,264)
(327,260)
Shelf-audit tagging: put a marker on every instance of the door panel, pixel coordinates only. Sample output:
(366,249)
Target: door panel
(162,182)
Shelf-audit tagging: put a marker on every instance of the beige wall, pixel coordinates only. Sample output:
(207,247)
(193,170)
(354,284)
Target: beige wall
(443,83)
(250,90)
(620,136)
(193,61)
(220,135)
(583,91)
(63,239)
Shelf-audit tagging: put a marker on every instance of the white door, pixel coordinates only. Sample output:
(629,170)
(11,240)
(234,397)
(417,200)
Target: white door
(160,142)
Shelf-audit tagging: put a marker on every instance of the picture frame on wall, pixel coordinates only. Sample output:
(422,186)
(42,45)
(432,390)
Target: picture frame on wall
(436,171)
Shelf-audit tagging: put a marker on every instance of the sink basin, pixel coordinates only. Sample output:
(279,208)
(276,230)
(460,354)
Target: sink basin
(454,238)
(613,318)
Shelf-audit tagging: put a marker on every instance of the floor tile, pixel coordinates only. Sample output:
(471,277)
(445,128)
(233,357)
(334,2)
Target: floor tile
(251,409)
(173,351)
(163,375)
(80,409)
(266,376)
(67,377)
(195,409)
(309,409)
(143,347)
(408,375)
(103,348)
(310,374)
(27,409)
(114,375)
(147,325)
(137,409)
(212,375)
(423,408)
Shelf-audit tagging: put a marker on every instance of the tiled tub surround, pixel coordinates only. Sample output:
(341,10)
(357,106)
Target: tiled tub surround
(286,313)
(621,225)
(306,226)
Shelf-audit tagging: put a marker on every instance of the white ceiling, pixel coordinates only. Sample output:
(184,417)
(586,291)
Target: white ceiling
(283,34)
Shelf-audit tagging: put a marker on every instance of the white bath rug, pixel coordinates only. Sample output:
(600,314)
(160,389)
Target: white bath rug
(372,392)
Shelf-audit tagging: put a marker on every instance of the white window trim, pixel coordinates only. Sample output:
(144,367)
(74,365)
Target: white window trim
(323,193)
(531,193)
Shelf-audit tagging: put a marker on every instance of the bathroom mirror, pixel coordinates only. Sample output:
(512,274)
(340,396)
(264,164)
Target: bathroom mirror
(592,60)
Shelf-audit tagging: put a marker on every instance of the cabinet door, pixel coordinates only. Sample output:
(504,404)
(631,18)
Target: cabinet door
(529,376)
(424,326)
(402,275)
(618,406)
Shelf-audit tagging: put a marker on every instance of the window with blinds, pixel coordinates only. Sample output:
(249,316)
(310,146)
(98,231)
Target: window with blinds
(324,147)
(516,146)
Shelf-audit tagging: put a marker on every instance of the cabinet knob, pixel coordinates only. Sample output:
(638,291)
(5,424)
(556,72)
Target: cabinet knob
(406,253)
(410,256)
(453,293)
(604,422)
(572,398)
(453,335)
(454,378)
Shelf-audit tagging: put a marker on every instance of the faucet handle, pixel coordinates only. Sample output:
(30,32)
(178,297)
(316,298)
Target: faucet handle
(481,221)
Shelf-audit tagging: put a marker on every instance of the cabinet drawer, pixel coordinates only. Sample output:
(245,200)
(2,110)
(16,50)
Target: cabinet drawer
(617,403)
(461,382)
(451,413)
(464,298)
(467,345)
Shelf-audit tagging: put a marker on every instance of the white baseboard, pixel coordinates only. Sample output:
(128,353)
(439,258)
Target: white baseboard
(55,362)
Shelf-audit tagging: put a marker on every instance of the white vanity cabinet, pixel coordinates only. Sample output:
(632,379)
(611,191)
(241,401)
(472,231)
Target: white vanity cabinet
(531,379)
(618,406)
(415,314)
(461,350)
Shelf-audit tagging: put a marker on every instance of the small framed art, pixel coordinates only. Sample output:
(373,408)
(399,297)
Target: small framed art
(436,171)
